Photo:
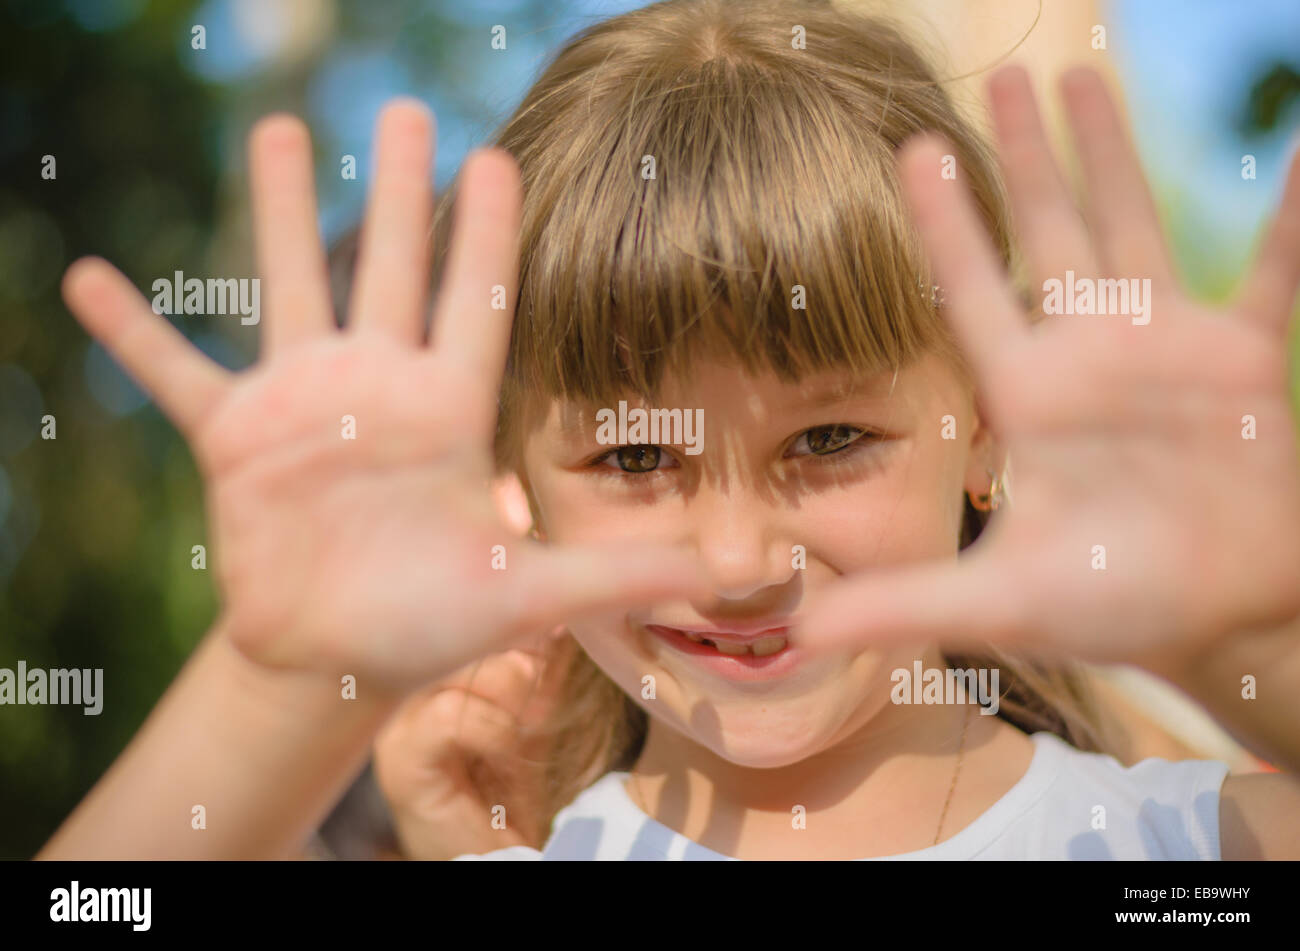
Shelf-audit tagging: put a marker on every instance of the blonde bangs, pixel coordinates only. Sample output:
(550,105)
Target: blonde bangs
(765,236)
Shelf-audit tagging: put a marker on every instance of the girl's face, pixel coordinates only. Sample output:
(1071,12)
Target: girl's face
(790,486)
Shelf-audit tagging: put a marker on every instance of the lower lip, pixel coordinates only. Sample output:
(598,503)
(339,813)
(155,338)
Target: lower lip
(745,668)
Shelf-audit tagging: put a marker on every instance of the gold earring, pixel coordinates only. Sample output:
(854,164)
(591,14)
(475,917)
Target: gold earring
(992,500)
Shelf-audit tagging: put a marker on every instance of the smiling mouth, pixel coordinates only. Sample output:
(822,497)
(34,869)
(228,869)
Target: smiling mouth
(730,645)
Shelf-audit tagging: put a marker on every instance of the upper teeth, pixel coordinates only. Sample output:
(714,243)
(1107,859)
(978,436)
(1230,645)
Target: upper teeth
(759,647)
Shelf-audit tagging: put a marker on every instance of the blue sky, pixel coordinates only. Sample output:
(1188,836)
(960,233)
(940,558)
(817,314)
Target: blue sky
(1187,67)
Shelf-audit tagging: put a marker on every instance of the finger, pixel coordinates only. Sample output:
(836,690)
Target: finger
(449,768)
(532,651)
(958,604)
(502,754)
(467,722)
(447,725)
(482,726)
(527,689)
(471,325)
(1119,203)
(977,300)
(1052,232)
(561,585)
(504,679)
(183,382)
(290,256)
(393,260)
(1269,293)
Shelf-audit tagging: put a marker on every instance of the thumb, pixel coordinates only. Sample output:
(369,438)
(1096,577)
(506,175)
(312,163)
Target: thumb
(957,604)
(563,584)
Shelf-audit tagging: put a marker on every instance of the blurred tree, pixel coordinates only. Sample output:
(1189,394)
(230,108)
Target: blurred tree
(95,565)
(1271,98)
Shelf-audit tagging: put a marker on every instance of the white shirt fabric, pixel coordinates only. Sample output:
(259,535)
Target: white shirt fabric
(1156,809)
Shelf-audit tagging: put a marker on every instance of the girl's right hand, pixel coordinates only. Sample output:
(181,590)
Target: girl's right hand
(347,472)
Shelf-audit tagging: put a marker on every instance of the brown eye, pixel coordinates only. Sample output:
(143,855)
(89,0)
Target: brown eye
(824,440)
(636,458)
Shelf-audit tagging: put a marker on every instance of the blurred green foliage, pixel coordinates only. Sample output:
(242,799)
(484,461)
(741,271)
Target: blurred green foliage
(1272,95)
(94,552)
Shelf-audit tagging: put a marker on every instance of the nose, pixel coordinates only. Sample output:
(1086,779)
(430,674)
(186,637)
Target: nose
(740,540)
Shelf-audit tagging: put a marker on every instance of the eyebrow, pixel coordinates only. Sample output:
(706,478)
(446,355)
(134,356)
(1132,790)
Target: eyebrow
(879,386)
(572,416)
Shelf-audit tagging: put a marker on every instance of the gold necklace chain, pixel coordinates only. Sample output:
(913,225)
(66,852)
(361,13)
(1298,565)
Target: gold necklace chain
(644,804)
(961,751)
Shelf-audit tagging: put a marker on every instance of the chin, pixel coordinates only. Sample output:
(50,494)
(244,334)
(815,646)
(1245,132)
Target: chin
(757,752)
(760,739)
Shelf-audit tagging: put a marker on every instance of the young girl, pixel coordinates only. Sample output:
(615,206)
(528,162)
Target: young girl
(770,631)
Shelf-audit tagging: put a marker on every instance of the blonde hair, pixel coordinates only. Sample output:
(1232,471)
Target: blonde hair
(772,166)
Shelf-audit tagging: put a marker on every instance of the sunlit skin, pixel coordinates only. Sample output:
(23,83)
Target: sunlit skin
(725,762)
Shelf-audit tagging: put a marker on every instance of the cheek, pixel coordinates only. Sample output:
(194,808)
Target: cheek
(910,511)
(575,510)
(607,642)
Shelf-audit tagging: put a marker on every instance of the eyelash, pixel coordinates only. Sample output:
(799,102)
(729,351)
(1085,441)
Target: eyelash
(863,440)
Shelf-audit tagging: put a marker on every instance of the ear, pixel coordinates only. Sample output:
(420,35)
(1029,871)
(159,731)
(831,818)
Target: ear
(986,456)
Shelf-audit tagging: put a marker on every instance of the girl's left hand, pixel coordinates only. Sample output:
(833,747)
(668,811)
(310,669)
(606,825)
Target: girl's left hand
(1127,440)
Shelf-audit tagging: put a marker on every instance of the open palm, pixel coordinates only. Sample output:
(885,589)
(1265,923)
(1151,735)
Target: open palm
(348,472)
(1142,522)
